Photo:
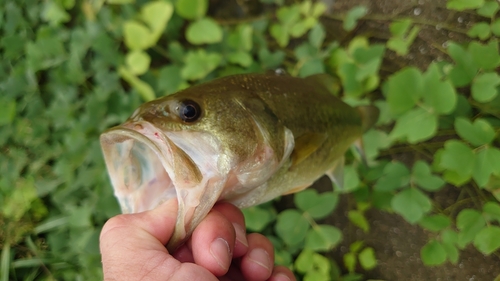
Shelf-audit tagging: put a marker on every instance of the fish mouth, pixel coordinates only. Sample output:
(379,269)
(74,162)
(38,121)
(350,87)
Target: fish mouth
(138,169)
(148,167)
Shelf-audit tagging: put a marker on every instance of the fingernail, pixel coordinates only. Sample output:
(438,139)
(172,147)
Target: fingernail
(240,234)
(221,252)
(260,257)
(280,277)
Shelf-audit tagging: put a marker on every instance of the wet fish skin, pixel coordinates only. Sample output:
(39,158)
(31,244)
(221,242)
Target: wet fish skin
(255,137)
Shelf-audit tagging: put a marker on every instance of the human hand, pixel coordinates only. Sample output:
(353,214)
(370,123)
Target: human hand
(132,248)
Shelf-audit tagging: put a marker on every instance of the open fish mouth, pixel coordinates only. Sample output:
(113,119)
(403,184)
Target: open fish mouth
(148,167)
(138,169)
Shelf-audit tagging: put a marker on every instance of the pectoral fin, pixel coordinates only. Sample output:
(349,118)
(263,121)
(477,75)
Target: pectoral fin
(305,145)
(336,174)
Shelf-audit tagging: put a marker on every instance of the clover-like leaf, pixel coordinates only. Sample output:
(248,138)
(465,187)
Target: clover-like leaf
(481,30)
(352,16)
(433,253)
(412,204)
(421,174)
(395,175)
(316,205)
(438,93)
(138,62)
(204,31)
(415,125)
(487,241)
(291,227)
(485,56)
(470,222)
(191,9)
(487,162)
(478,133)
(323,238)
(404,89)
(457,157)
(484,86)
(465,69)
(435,223)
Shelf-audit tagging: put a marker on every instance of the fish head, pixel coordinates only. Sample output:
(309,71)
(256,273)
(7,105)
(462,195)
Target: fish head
(200,145)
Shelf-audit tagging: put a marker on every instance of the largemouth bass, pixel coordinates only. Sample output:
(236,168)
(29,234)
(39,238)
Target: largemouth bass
(244,139)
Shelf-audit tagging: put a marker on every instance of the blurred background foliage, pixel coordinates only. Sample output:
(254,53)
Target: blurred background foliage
(72,68)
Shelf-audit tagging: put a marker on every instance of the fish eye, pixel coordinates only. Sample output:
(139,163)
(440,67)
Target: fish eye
(189,111)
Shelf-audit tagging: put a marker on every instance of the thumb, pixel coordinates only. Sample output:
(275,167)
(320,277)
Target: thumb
(158,223)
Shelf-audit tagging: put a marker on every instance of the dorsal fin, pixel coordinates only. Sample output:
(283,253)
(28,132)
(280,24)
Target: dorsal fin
(329,83)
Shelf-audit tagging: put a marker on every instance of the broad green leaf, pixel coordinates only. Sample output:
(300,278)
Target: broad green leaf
(157,14)
(199,64)
(271,60)
(395,175)
(449,239)
(169,79)
(367,258)
(288,15)
(191,9)
(54,13)
(241,57)
(470,222)
(137,62)
(317,36)
(438,93)
(487,162)
(374,141)
(257,218)
(465,69)
(422,176)
(352,86)
(291,227)
(400,27)
(359,219)
(485,56)
(352,17)
(487,241)
(435,222)
(478,133)
(350,261)
(415,125)
(404,89)
(481,30)
(433,253)
(241,38)
(303,262)
(137,36)
(461,5)
(351,179)
(323,238)
(484,86)
(489,9)
(495,27)
(280,34)
(412,204)
(457,157)
(8,112)
(317,205)
(401,45)
(20,199)
(298,29)
(204,31)
(492,211)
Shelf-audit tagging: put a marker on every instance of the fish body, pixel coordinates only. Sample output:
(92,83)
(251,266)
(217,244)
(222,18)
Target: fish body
(244,139)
